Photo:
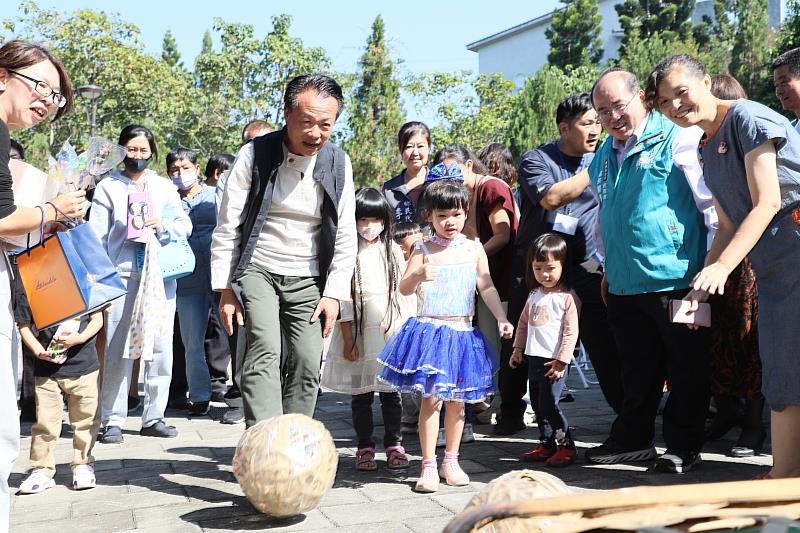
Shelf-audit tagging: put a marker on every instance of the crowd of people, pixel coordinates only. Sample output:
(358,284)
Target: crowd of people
(457,287)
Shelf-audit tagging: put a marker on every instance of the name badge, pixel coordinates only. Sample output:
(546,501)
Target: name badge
(565,224)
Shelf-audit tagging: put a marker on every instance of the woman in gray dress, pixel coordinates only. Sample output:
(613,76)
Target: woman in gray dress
(751,163)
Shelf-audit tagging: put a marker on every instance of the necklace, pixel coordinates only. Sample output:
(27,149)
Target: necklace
(444,243)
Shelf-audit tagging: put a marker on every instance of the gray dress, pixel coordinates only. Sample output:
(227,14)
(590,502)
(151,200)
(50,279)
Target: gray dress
(776,256)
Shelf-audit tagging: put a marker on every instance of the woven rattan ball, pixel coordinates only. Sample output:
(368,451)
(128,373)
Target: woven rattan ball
(285,464)
(515,486)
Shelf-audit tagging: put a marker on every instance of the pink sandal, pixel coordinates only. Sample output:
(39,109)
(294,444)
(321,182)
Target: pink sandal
(365,460)
(396,458)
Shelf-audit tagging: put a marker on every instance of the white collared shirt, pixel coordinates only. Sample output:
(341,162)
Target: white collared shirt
(288,242)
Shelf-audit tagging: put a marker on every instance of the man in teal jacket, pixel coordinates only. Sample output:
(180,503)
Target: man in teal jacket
(654,214)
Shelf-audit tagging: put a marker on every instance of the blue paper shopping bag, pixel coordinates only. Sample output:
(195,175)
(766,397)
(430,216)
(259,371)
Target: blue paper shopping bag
(68,275)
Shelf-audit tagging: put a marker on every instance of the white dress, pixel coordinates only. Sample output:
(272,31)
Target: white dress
(370,325)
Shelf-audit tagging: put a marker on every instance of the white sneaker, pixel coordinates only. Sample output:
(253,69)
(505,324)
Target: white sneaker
(83,477)
(37,482)
(467,435)
(441,440)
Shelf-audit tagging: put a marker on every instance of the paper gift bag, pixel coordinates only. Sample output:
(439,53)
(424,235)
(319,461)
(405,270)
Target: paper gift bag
(68,275)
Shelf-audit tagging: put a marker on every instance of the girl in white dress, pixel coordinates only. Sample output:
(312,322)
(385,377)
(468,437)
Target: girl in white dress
(366,323)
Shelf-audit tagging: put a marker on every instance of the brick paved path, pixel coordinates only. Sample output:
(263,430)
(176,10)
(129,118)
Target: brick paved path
(186,485)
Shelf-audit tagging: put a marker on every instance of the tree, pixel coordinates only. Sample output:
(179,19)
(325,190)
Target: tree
(169,51)
(574,34)
(376,114)
(472,110)
(104,50)
(749,63)
(532,117)
(208,44)
(285,57)
(669,18)
(789,36)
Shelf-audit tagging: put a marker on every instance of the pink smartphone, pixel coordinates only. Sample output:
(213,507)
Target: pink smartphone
(679,313)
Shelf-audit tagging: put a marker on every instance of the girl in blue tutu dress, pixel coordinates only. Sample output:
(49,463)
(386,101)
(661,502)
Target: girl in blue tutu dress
(438,354)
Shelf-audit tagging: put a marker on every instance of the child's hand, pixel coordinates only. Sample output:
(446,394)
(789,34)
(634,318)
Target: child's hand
(516,358)
(50,357)
(505,328)
(351,354)
(556,371)
(68,339)
(426,272)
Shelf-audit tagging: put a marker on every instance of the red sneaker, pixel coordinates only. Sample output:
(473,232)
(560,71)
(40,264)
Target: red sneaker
(538,455)
(564,456)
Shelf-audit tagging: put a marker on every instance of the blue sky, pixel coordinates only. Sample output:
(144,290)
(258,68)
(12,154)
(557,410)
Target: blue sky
(428,36)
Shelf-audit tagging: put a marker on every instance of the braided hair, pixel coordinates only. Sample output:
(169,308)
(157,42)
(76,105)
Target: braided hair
(370,203)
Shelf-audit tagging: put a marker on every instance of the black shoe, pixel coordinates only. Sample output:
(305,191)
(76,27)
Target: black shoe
(199,409)
(677,462)
(159,429)
(505,428)
(610,453)
(181,404)
(133,404)
(111,435)
(234,415)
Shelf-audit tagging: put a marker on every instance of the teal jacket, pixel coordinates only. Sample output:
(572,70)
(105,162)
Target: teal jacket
(653,233)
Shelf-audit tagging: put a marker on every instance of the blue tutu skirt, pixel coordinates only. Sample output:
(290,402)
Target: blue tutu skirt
(438,360)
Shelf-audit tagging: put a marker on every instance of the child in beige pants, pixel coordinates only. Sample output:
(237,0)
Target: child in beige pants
(66,362)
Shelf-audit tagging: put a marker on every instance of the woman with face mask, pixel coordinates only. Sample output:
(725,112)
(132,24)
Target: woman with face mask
(33,86)
(163,215)
(195,298)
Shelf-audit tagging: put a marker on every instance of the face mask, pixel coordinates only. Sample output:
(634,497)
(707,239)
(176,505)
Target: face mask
(136,165)
(185,181)
(370,233)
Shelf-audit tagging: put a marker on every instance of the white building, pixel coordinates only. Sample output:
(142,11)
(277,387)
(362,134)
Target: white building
(520,51)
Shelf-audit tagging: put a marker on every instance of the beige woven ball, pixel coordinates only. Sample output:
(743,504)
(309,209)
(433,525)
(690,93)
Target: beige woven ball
(285,464)
(515,486)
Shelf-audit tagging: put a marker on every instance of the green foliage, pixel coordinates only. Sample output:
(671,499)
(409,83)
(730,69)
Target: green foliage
(789,36)
(208,44)
(472,110)
(532,118)
(668,18)
(203,110)
(104,50)
(375,113)
(574,34)
(169,51)
(749,63)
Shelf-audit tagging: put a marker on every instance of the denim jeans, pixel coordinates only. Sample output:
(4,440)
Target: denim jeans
(545,395)
(193,310)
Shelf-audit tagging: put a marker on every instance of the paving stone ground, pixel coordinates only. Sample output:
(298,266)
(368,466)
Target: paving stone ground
(186,484)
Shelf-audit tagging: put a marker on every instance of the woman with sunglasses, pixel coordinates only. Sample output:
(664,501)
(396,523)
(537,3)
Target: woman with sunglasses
(33,86)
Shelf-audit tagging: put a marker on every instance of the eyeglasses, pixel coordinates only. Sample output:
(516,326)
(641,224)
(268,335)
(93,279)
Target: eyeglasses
(132,150)
(44,89)
(607,114)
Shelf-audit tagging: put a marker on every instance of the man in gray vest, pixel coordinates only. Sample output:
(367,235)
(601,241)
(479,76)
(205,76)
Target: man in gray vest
(284,249)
